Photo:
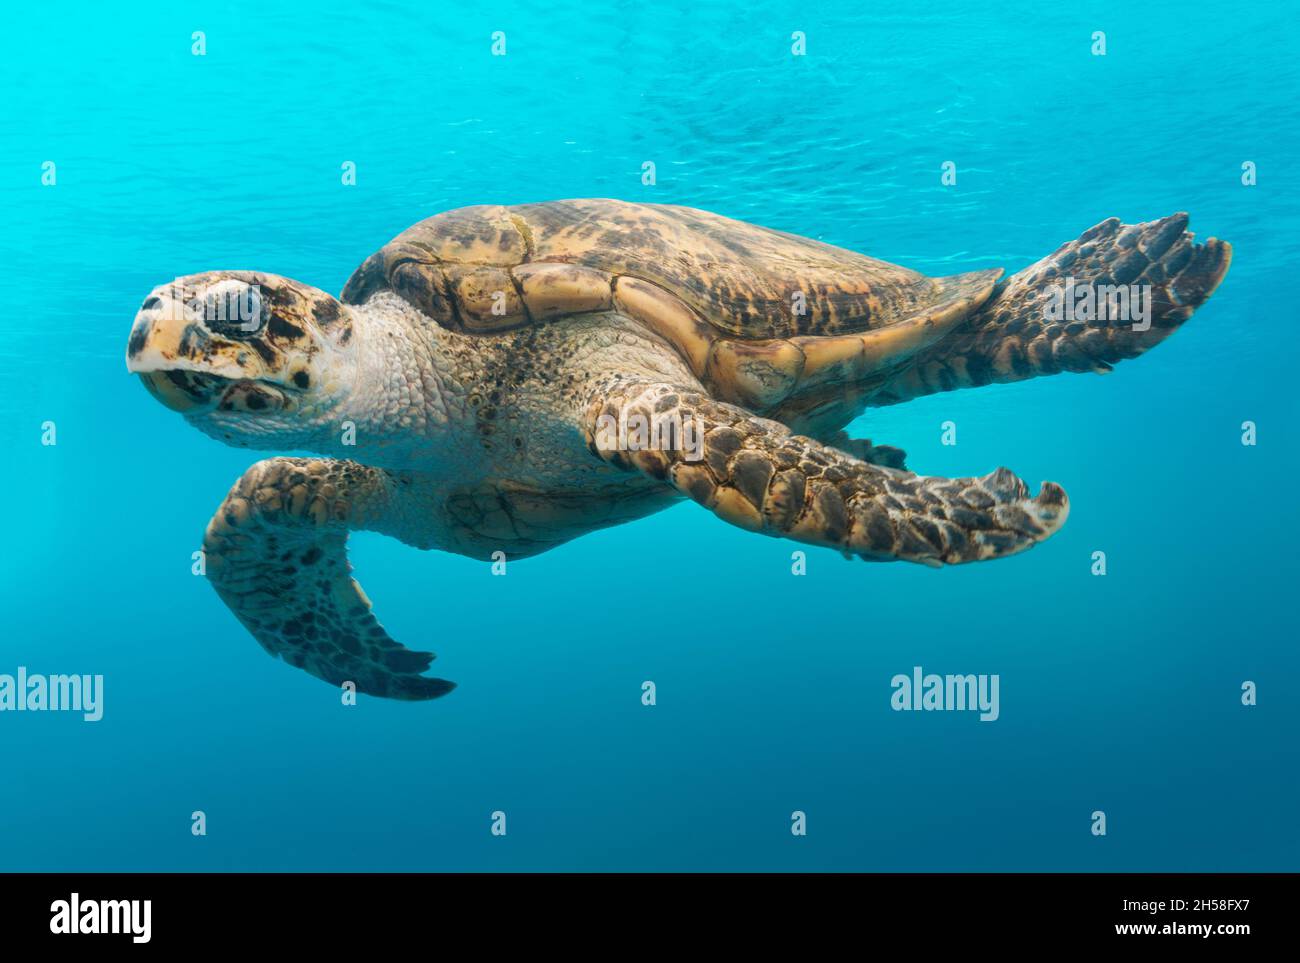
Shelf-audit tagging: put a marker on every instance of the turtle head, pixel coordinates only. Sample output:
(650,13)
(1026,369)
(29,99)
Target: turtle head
(249,358)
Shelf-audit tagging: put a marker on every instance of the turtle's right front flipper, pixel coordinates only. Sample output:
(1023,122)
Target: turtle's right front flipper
(276,554)
(754,473)
(1112,294)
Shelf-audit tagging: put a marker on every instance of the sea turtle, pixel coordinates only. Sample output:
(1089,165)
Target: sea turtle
(503,379)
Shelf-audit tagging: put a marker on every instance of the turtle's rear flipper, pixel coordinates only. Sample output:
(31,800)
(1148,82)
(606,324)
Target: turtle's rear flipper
(276,554)
(1116,292)
(754,473)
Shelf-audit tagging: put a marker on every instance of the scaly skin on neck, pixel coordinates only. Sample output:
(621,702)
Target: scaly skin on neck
(405,401)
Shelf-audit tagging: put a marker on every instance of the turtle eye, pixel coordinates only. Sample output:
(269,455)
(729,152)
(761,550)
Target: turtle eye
(236,311)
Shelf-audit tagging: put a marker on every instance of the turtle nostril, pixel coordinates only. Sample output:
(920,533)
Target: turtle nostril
(151,302)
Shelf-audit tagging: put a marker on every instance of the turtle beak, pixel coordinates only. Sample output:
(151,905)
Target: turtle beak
(176,356)
(184,391)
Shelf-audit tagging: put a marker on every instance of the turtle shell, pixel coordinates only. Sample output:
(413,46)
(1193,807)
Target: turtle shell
(761,316)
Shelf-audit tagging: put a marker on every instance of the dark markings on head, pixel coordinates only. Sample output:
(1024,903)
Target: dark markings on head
(191,338)
(280,328)
(138,337)
(268,353)
(326,312)
(281,296)
(182,380)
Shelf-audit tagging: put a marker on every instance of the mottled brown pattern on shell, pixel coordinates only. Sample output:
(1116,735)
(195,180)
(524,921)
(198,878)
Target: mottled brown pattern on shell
(414,264)
(553,290)
(738,277)
(720,291)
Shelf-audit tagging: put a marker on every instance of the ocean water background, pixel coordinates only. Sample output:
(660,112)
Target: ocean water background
(1118,693)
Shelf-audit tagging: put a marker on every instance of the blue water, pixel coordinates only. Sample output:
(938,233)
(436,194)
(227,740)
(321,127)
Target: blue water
(1118,693)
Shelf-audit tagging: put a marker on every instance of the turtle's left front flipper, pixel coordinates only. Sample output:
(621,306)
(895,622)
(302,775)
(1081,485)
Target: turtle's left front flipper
(276,554)
(754,473)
